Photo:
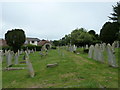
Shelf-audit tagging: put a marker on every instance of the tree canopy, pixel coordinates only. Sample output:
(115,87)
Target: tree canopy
(15,38)
(116,15)
(108,33)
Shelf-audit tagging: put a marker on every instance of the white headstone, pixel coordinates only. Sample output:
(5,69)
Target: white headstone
(86,47)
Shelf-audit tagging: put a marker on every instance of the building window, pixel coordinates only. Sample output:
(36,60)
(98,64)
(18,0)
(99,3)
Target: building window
(32,41)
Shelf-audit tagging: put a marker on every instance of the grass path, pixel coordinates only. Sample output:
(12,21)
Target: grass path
(73,71)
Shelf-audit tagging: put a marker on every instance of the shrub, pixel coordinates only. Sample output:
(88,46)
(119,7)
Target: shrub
(6,48)
(53,47)
(30,47)
(86,50)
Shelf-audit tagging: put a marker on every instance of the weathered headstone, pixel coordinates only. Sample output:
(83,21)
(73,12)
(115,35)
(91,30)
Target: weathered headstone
(9,59)
(86,47)
(91,50)
(52,65)
(16,59)
(95,55)
(100,55)
(74,48)
(111,56)
(30,68)
(29,65)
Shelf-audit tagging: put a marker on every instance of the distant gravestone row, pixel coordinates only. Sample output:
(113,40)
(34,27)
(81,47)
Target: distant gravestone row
(71,48)
(97,53)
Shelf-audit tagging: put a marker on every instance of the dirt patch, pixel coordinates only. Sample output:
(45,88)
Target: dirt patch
(68,75)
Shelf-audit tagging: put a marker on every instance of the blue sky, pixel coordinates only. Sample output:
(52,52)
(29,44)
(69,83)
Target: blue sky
(52,20)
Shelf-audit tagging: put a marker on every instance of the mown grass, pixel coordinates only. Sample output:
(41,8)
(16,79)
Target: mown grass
(73,71)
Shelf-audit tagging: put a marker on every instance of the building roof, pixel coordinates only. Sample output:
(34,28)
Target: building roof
(3,42)
(42,42)
(32,39)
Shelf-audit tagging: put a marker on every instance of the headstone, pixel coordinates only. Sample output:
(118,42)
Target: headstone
(18,52)
(74,48)
(30,67)
(111,56)
(91,50)
(86,47)
(35,49)
(24,57)
(100,55)
(9,59)
(103,46)
(16,59)
(52,65)
(96,50)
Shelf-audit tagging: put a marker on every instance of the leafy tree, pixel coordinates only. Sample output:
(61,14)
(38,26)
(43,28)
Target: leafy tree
(56,42)
(108,33)
(80,37)
(92,32)
(15,38)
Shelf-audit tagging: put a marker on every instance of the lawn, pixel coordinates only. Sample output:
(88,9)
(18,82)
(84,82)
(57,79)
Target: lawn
(73,71)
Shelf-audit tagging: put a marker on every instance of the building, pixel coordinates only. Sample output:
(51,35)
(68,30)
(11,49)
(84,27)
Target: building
(32,41)
(45,43)
(3,43)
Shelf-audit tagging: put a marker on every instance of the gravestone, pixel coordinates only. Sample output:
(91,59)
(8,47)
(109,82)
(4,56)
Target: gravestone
(111,56)
(96,50)
(24,57)
(86,47)
(74,48)
(9,59)
(16,59)
(100,55)
(103,46)
(91,50)
(18,52)
(29,66)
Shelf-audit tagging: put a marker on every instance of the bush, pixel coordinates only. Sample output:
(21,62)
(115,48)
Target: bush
(86,50)
(53,47)
(30,47)
(6,48)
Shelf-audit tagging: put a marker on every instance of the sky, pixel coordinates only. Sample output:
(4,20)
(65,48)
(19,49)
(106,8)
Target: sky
(53,20)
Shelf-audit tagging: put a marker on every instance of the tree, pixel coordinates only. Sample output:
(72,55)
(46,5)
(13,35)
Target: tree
(15,38)
(108,33)
(56,42)
(81,37)
(92,32)
(116,15)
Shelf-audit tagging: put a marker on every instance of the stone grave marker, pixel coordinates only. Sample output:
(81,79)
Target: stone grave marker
(91,50)
(111,56)
(95,55)
(29,66)
(16,58)
(9,59)
(86,47)
(100,55)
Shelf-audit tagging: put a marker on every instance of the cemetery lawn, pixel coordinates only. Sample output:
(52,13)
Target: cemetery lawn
(73,71)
